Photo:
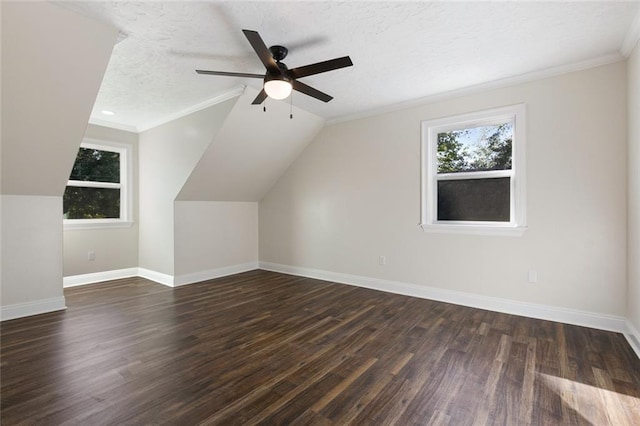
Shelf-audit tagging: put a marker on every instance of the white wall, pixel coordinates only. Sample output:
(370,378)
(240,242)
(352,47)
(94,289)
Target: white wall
(47,53)
(167,156)
(31,255)
(354,195)
(215,238)
(633,202)
(114,248)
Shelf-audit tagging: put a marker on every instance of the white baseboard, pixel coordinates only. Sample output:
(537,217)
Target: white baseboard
(633,337)
(550,313)
(36,307)
(545,312)
(76,280)
(213,273)
(158,277)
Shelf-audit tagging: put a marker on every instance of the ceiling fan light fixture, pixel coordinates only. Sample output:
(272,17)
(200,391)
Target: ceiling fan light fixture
(279,80)
(277,87)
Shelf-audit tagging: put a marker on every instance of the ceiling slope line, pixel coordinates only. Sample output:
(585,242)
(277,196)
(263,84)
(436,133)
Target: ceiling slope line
(496,84)
(113,125)
(632,37)
(224,96)
(250,152)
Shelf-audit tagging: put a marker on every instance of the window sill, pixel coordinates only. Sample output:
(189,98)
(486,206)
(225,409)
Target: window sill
(80,224)
(505,231)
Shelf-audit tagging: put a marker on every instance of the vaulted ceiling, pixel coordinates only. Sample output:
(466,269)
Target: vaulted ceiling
(402,51)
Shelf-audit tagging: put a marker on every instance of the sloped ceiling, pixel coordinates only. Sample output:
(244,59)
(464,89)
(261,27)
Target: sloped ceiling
(250,152)
(48,54)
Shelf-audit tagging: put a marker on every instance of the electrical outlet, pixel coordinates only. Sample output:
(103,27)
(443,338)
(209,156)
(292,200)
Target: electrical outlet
(532,276)
(382,260)
(91,255)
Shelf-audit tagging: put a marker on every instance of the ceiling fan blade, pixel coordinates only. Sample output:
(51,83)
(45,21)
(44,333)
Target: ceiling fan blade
(317,68)
(260,98)
(230,74)
(261,50)
(308,90)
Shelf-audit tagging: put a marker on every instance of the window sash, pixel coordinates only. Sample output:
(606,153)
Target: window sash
(485,174)
(489,174)
(94,184)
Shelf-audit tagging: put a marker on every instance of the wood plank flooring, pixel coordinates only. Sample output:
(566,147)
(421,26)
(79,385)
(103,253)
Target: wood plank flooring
(268,348)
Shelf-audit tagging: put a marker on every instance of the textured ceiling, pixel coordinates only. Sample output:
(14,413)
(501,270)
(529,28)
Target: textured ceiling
(402,51)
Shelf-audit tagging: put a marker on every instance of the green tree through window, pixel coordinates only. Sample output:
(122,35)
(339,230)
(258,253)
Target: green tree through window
(475,149)
(94,190)
(96,165)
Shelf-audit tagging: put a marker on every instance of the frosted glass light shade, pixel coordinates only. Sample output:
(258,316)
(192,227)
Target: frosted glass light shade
(277,89)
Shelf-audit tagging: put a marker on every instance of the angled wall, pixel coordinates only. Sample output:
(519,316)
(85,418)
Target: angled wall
(167,156)
(251,151)
(48,53)
(53,61)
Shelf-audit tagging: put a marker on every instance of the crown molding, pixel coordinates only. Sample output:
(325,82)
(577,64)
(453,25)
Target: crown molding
(496,84)
(112,125)
(235,92)
(224,96)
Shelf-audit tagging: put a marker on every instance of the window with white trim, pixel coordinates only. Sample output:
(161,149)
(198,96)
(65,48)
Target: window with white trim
(98,191)
(473,172)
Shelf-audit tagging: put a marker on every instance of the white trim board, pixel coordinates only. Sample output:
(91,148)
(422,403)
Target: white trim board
(633,337)
(550,313)
(210,274)
(544,312)
(482,87)
(35,307)
(83,279)
(56,304)
(158,277)
(141,127)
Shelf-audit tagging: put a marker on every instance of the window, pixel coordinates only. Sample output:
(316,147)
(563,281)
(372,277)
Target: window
(98,190)
(473,175)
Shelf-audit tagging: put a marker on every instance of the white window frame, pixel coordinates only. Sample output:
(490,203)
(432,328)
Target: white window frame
(430,177)
(126,172)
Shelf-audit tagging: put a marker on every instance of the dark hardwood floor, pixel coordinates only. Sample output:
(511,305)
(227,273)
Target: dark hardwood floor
(267,348)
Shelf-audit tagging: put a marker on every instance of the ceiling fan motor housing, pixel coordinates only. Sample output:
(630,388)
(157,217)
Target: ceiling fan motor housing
(278,52)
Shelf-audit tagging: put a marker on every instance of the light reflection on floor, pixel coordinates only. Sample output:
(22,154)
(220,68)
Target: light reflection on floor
(620,409)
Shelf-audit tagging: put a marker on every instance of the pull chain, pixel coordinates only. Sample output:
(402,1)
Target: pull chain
(291,106)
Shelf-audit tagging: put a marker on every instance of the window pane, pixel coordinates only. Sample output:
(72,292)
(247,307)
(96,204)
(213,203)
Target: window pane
(96,165)
(91,203)
(475,199)
(475,149)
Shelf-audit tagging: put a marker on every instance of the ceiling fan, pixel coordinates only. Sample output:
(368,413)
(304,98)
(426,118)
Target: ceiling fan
(280,80)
